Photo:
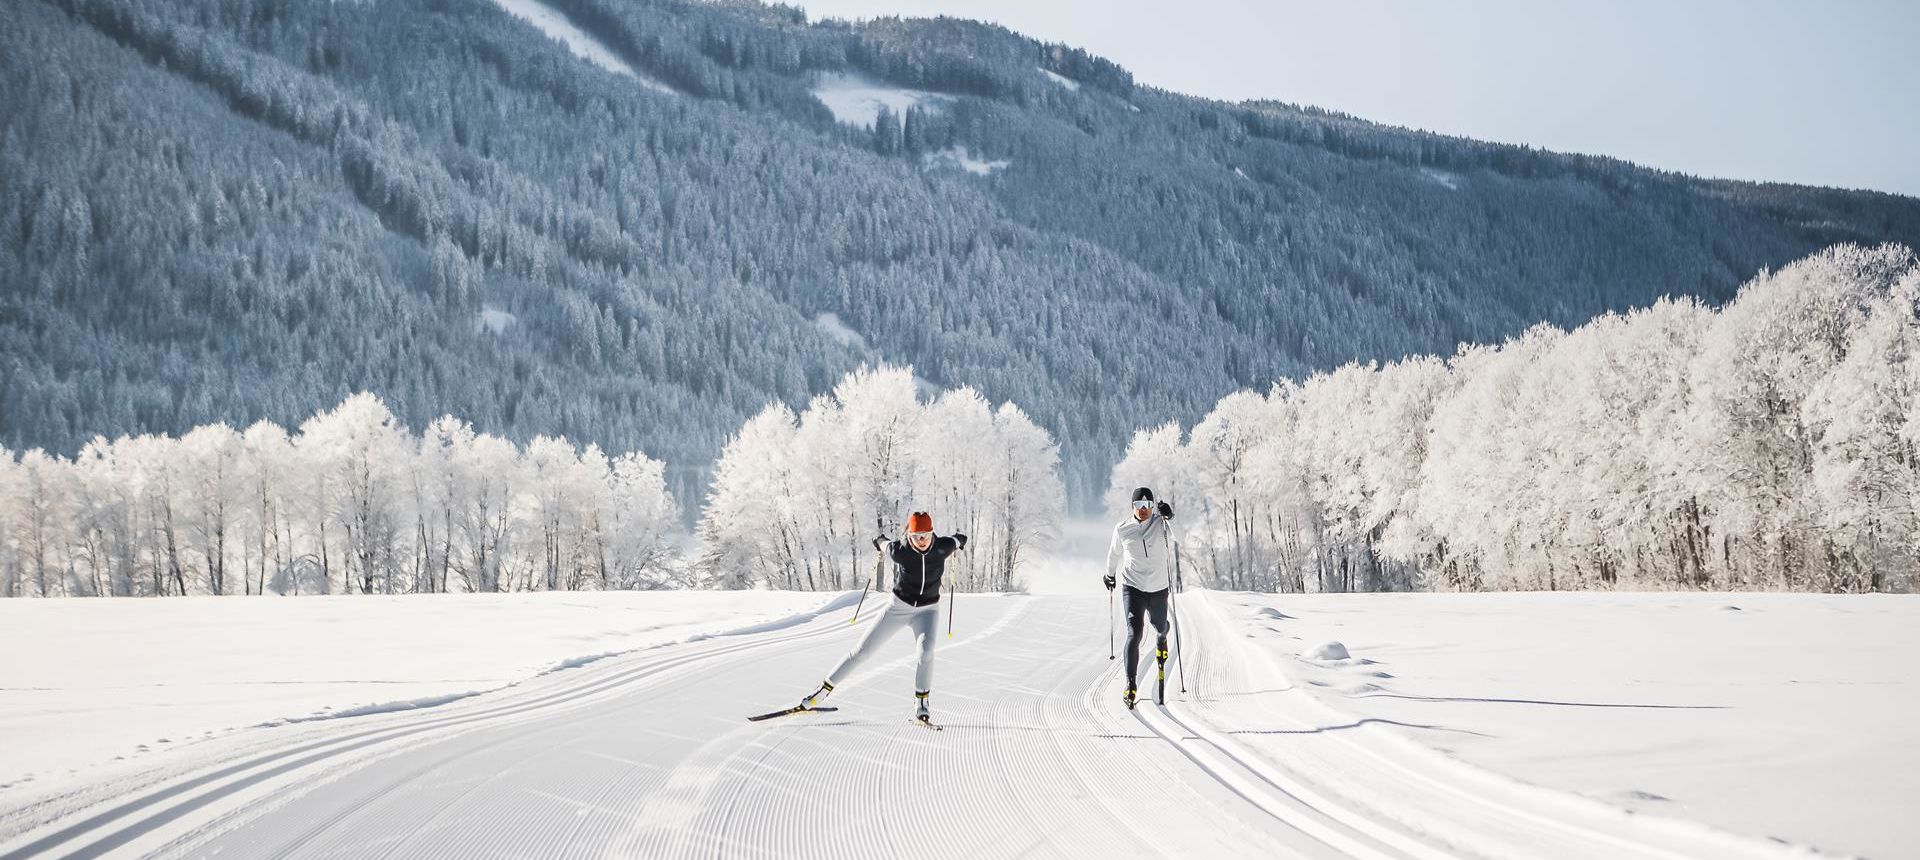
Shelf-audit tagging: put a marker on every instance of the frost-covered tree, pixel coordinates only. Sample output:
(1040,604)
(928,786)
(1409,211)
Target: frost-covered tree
(352,503)
(1769,444)
(797,497)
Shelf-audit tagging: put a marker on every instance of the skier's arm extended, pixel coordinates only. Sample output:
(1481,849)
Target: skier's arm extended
(959,541)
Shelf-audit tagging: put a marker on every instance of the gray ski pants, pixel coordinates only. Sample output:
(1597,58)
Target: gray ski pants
(923,620)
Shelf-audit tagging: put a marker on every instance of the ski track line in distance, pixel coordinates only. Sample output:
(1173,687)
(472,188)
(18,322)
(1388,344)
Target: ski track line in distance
(249,771)
(1685,830)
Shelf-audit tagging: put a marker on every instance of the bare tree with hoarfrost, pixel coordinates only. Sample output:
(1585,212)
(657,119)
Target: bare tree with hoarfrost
(1769,444)
(351,503)
(796,497)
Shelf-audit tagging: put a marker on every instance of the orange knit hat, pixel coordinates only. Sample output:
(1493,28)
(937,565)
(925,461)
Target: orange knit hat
(919,521)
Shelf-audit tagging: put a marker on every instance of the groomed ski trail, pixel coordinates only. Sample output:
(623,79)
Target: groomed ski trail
(648,754)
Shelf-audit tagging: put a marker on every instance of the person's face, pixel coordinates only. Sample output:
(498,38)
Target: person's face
(1141,510)
(920,540)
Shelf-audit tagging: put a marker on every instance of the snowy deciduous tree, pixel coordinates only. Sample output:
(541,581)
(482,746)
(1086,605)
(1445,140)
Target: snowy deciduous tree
(797,497)
(1770,444)
(351,503)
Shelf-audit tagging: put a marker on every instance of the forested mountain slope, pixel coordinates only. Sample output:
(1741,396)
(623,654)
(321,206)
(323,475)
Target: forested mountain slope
(227,210)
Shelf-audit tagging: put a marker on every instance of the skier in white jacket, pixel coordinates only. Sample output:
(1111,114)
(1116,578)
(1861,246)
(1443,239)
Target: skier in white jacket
(1138,556)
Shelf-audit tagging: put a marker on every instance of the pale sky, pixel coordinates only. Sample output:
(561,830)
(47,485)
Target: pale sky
(1820,92)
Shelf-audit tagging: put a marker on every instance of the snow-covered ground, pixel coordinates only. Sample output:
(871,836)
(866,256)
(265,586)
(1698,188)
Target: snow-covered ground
(555,23)
(832,326)
(856,100)
(957,157)
(88,681)
(494,320)
(1257,754)
(1778,715)
(1450,180)
(1061,79)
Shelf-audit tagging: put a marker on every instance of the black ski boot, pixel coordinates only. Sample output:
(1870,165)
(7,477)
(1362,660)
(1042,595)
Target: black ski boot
(1128,698)
(817,696)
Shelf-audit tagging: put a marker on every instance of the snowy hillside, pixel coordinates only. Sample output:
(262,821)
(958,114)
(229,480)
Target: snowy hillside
(489,209)
(1555,716)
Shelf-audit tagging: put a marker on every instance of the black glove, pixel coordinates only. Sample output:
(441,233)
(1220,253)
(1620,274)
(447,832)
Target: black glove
(959,540)
(879,542)
(1108,579)
(1166,511)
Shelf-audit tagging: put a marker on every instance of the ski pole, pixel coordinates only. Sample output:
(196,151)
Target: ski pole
(951,606)
(1180,653)
(863,601)
(1110,624)
(863,591)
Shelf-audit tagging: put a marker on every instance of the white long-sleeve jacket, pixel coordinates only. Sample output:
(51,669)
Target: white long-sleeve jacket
(1141,553)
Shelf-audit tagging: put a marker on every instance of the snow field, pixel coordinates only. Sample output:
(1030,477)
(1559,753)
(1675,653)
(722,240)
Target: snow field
(112,680)
(856,100)
(958,158)
(647,753)
(1777,716)
(555,23)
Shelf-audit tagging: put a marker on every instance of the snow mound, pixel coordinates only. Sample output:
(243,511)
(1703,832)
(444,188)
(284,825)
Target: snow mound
(554,23)
(1327,651)
(830,325)
(1270,612)
(495,320)
(958,157)
(856,100)
(1450,180)
(1061,79)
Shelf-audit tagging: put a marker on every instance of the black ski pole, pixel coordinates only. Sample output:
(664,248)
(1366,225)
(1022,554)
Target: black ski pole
(879,560)
(1180,653)
(863,593)
(1110,624)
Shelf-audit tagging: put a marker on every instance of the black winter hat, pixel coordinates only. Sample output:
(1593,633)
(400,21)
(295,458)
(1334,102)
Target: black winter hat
(1142,494)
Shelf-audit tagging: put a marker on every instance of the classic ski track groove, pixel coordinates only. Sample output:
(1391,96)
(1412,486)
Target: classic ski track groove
(797,787)
(1217,629)
(199,787)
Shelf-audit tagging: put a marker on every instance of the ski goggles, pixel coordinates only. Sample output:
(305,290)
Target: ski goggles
(920,535)
(1143,504)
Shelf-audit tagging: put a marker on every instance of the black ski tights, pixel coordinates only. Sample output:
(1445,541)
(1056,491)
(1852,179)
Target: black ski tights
(1153,604)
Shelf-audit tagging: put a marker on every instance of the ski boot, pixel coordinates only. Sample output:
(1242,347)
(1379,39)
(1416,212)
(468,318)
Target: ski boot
(816,696)
(1128,698)
(920,714)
